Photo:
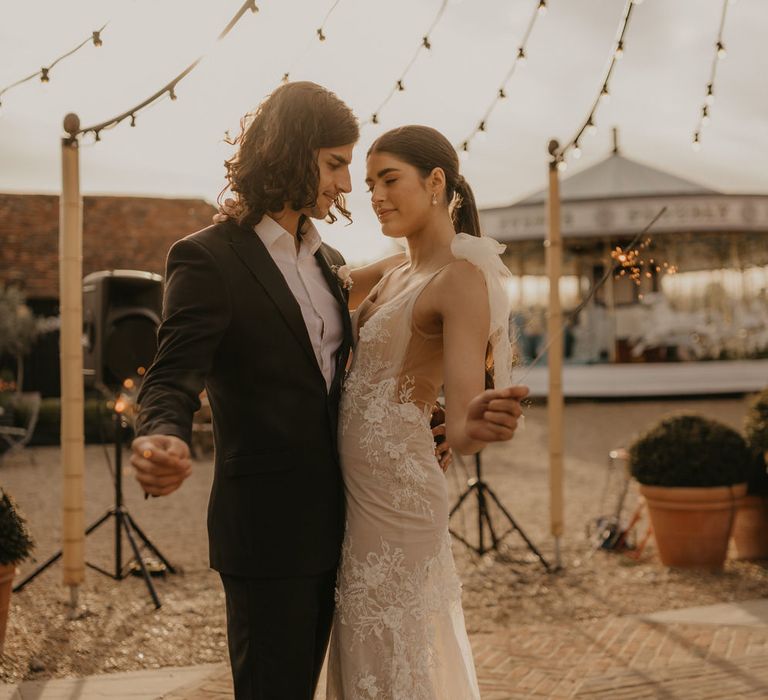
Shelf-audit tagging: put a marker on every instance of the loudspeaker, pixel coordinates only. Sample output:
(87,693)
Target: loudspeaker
(121,314)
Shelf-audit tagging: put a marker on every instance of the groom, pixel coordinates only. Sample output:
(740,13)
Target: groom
(254,312)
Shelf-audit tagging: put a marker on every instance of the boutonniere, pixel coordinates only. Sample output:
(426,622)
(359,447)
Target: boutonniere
(344,276)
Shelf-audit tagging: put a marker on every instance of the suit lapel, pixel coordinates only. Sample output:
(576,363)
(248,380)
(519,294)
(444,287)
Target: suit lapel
(336,290)
(341,296)
(250,249)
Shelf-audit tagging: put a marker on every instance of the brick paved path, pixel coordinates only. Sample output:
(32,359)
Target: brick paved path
(609,659)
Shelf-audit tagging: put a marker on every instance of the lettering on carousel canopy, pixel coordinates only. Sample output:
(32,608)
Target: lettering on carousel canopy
(727,213)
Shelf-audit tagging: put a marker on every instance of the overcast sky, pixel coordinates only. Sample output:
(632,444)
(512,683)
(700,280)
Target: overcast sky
(177,149)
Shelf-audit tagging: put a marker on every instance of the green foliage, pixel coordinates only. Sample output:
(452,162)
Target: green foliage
(757,483)
(99,426)
(15,541)
(756,423)
(756,430)
(689,450)
(18,326)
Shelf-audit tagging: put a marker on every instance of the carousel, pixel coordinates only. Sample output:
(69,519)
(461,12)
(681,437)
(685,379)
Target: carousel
(689,316)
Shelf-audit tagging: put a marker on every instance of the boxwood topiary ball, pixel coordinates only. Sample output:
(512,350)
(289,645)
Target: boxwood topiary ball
(690,450)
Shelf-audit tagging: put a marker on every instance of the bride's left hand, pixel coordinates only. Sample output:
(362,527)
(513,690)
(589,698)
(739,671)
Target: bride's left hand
(493,415)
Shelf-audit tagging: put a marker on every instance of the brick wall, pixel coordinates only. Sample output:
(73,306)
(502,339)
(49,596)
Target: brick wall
(118,233)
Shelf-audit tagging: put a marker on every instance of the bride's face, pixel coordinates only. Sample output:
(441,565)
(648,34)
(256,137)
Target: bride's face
(399,195)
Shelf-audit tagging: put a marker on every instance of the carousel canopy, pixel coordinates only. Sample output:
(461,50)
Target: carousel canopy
(617,176)
(618,196)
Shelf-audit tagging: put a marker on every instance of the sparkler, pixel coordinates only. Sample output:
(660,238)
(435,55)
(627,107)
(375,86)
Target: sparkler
(627,258)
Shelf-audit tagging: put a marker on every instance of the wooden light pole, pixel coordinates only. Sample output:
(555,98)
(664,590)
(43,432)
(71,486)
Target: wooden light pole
(554,254)
(72,403)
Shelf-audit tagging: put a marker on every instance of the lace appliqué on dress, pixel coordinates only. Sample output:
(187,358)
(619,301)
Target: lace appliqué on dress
(394,605)
(391,421)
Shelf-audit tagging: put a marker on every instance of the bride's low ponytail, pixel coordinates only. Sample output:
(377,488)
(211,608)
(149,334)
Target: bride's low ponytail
(464,209)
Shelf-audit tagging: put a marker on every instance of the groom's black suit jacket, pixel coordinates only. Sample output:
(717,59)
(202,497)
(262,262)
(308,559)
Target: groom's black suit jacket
(231,324)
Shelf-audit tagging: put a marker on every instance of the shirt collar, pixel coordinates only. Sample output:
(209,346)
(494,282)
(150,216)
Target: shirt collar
(270,232)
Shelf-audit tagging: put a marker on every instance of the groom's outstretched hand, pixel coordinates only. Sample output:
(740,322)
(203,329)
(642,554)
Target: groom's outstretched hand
(161,463)
(493,415)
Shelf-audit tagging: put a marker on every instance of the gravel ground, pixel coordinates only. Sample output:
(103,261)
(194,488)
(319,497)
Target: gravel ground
(117,627)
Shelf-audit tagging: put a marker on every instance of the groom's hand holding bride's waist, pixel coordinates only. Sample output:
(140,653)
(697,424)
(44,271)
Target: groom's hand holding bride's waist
(161,463)
(493,415)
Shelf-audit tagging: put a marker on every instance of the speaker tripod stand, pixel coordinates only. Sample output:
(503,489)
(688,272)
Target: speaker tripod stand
(124,523)
(483,494)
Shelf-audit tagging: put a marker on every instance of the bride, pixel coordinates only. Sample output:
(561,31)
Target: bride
(437,320)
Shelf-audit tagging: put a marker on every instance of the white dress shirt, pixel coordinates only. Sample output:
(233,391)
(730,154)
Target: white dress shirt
(305,279)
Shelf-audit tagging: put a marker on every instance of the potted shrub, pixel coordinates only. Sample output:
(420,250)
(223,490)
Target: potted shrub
(15,546)
(750,531)
(692,473)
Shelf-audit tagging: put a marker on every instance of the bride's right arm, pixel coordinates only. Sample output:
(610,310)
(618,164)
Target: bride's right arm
(365,278)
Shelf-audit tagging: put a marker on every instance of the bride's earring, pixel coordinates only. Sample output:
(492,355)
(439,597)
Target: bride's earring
(434,199)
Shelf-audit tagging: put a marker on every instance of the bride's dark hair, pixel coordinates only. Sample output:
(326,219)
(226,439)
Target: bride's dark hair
(425,149)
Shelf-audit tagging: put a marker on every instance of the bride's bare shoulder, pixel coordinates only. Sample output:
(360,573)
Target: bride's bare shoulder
(462,277)
(458,286)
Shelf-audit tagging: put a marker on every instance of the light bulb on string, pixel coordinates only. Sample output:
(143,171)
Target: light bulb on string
(562,166)
(576,150)
(482,132)
(464,152)
(521,58)
(696,142)
(542,7)
(605,96)
(591,126)
(502,94)
(710,98)
(721,52)
(619,50)
(705,115)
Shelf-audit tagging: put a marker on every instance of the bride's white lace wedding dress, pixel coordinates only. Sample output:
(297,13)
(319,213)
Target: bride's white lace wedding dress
(399,629)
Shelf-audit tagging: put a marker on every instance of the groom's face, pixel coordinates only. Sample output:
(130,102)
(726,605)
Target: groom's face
(333,166)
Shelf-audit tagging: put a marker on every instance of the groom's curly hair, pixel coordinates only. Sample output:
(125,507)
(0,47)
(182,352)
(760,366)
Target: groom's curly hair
(276,160)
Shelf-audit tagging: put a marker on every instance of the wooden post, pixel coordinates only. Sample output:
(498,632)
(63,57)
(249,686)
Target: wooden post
(520,275)
(554,255)
(72,404)
(610,300)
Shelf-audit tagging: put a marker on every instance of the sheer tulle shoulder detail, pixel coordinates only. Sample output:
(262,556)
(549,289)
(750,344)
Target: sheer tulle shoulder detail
(479,250)
(483,252)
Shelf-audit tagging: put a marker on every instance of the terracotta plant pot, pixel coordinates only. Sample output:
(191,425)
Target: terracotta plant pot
(7,572)
(692,526)
(750,531)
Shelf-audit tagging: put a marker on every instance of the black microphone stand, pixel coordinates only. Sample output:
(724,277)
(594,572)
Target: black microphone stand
(483,493)
(124,523)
